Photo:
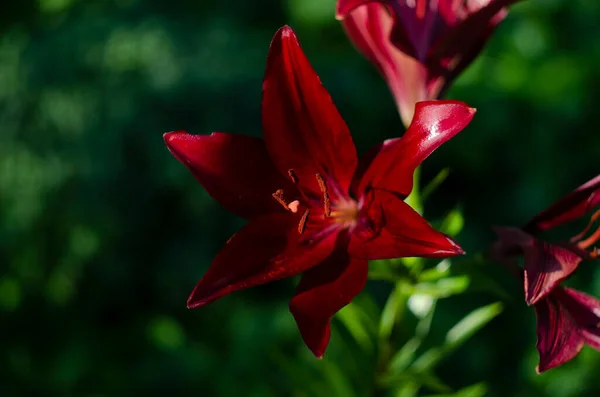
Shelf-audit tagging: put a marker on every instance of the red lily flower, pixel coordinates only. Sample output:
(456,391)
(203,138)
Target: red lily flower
(420,46)
(312,207)
(566,318)
(546,264)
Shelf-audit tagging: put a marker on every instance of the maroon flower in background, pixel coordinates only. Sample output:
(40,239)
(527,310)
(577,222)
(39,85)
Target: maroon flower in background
(313,207)
(546,264)
(566,318)
(420,46)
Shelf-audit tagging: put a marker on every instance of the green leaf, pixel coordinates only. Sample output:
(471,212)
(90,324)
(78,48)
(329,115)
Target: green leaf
(458,335)
(430,358)
(388,270)
(414,198)
(444,287)
(472,323)
(359,325)
(383,276)
(480,280)
(311,12)
(414,264)
(453,223)
(297,373)
(441,270)
(477,390)
(393,310)
(340,384)
(435,183)
(394,269)
(407,389)
(420,378)
(166,333)
(406,354)
(421,305)
(370,311)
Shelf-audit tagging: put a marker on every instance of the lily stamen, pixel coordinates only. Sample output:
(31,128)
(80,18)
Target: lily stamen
(593,219)
(302,224)
(583,244)
(590,240)
(293,176)
(324,190)
(292,206)
(278,195)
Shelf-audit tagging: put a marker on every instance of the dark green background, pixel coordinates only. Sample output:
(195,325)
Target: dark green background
(103,233)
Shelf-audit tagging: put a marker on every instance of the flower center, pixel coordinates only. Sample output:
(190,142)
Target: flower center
(345,213)
(341,212)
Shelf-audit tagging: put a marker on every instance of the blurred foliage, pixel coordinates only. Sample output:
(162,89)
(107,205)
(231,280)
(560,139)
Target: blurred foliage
(103,234)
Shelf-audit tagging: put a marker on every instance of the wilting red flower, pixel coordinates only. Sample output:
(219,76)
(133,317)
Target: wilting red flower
(312,207)
(420,46)
(566,318)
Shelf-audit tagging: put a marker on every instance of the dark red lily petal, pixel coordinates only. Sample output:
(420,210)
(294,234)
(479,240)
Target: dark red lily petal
(343,7)
(434,123)
(417,27)
(455,52)
(559,338)
(302,128)
(471,27)
(473,14)
(512,241)
(234,169)
(392,229)
(440,36)
(585,311)
(570,207)
(369,29)
(268,248)
(545,265)
(506,251)
(322,292)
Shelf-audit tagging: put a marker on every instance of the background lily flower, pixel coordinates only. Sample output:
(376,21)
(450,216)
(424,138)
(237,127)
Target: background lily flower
(566,318)
(420,46)
(313,207)
(546,264)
